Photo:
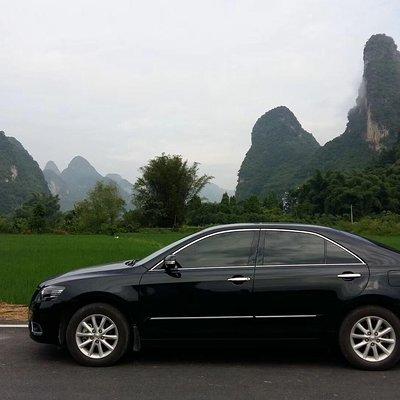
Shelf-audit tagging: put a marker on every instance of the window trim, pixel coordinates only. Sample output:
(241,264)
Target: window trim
(361,262)
(155,268)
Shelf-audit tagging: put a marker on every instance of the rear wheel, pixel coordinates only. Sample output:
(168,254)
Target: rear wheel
(369,338)
(97,335)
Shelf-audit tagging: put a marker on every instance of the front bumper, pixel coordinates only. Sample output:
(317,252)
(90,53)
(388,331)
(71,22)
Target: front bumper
(44,321)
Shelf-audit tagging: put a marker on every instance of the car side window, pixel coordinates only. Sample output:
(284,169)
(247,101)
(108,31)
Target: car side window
(286,248)
(337,255)
(221,250)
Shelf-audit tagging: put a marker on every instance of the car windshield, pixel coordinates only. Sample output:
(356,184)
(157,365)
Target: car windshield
(162,250)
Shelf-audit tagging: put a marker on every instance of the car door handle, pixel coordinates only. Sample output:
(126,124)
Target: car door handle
(349,275)
(239,279)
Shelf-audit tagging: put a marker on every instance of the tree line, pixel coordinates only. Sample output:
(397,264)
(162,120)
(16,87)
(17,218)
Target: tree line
(162,195)
(167,195)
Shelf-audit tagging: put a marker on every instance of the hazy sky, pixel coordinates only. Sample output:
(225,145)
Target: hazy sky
(120,82)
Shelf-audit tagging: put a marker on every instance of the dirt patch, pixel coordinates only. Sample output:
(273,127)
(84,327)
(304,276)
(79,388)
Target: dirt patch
(13,312)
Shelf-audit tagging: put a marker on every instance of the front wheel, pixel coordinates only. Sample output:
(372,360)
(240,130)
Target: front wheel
(97,335)
(369,338)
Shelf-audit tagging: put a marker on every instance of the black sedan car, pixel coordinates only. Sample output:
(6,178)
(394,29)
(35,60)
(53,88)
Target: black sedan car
(243,282)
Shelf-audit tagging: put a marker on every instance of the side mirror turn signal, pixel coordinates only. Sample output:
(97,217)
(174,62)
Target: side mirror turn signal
(170,263)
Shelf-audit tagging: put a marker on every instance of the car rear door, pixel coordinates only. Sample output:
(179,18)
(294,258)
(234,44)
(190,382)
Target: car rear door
(302,281)
(210,296)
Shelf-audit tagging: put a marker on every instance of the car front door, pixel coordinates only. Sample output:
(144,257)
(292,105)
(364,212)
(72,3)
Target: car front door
(302,281)
(209,295)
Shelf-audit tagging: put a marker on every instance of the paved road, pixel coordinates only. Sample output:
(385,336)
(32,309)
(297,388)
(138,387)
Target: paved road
(33,371)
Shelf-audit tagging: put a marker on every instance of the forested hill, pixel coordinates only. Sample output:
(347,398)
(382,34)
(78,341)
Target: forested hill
(373,125)
(279,148)
(20,175)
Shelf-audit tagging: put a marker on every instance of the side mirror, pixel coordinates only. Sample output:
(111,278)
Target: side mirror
(170,263)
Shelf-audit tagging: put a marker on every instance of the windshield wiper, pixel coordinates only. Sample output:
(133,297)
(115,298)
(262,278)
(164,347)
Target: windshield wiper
(131,263)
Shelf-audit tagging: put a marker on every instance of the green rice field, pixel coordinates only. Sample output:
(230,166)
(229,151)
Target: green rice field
(26,260)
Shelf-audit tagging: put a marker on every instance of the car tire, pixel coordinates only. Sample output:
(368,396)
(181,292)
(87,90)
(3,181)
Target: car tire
(92,344)
(364,347)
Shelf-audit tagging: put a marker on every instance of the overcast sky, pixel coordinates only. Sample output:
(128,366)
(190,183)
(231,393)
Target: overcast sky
(120,82)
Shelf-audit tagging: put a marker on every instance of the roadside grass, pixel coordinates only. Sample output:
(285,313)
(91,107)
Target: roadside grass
(392,241)
(26,260)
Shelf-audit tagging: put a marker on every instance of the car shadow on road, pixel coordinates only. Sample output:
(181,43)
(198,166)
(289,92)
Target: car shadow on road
(265,354)
(279,353)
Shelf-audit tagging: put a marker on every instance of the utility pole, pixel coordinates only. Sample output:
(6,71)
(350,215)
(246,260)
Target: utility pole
(351,213)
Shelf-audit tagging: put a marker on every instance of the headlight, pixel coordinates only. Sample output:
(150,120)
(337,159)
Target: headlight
(50,292)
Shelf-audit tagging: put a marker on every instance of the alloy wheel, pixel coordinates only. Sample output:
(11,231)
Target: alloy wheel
(373,338)
(96,336)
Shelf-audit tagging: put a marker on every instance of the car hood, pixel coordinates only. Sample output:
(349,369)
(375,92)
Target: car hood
(89,272)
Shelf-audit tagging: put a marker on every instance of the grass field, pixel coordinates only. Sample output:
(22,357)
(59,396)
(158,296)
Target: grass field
(26,260)
(392,241)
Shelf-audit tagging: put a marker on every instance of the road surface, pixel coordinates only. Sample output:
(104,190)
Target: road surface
(32,371)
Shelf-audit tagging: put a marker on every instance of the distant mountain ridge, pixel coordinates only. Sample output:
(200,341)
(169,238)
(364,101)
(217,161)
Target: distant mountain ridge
(51,166)
(75,182)
(213,193)
(124,184)
(279,161)
(20,175)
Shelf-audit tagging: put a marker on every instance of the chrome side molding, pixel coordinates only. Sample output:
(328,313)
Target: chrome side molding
(235,317)
(205,317)
(288,316)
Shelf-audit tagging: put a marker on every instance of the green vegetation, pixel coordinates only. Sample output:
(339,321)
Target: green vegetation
(382,72)
(280,148)
(392,241)
(326,199)
(230,211)
(26,260)
(100,212)
(167,185)
(39,214)
(347,152)
(371,192)
(20,175)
